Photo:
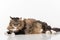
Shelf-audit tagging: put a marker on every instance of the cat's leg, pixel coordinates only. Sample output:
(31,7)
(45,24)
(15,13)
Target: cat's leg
(19,32)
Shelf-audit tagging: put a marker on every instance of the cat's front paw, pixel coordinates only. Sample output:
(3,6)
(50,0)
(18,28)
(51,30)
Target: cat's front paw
(48,32)
(12,34)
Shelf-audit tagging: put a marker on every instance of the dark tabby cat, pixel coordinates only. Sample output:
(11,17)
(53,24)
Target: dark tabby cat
(28,26)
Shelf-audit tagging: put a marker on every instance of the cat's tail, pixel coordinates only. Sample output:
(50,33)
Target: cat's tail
(56,29)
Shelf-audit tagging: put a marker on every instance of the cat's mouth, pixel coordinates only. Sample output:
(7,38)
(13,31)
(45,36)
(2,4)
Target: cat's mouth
(15,29)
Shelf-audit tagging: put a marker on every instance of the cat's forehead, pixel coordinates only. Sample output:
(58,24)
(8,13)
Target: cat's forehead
(15,19)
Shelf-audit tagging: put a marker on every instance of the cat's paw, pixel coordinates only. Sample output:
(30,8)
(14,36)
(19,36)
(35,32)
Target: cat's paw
(53,32)
(48,32)
(12,34)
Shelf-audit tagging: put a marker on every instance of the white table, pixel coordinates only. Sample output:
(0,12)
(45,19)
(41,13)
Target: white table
(30,37)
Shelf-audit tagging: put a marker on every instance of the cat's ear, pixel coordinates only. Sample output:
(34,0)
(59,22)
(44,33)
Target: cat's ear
(11,17)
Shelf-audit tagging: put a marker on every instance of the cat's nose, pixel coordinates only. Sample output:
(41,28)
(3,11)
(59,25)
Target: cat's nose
(16,24)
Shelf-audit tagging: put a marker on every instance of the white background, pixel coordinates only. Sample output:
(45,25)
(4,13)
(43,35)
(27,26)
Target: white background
(44,10)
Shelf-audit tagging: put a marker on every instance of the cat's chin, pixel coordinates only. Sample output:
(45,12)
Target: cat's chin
(16,31)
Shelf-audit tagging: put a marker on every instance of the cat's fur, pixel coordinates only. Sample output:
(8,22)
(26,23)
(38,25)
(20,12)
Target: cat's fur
(32,26)
(45,26)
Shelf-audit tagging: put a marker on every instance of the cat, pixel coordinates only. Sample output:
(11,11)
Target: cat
(29,26)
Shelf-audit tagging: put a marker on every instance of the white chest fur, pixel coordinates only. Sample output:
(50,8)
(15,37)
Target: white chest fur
(15,28)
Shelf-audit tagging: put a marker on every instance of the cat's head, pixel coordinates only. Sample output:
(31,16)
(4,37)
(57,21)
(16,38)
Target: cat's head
(15,21)
(16,24)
